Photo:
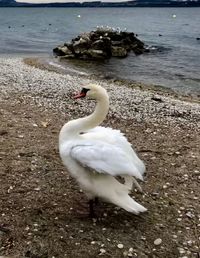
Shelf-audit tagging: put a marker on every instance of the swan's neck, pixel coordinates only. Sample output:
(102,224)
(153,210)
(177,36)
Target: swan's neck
(75,127)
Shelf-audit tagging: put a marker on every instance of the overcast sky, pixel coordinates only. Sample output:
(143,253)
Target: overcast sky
(64,1)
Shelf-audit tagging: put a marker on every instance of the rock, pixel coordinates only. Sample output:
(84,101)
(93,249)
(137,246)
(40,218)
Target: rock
(102,251)
(98,44)
(62,51)
(190,215)
(158,241)
(120,246)
(95,54)
(118,51)
(80,46)
(102,43)
(138,51)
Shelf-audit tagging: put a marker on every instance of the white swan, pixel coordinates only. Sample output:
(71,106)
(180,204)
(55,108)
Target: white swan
(95,155)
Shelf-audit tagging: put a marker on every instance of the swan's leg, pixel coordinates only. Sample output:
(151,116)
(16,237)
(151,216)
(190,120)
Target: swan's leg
(129,181)
(91,207)
(96,200)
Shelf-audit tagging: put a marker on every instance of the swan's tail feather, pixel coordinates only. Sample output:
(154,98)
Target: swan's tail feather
(122,199)
(110,189)
(128,204)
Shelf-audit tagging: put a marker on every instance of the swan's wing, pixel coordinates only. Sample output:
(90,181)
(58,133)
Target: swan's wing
(116,138)
(104,158)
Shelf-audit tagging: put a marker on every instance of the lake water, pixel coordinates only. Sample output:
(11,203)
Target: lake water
(175,62)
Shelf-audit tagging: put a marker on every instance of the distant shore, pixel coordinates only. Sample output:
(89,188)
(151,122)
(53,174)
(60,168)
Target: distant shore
(101,4)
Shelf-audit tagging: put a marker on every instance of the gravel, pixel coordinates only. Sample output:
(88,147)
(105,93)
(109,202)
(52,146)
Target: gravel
(34,104)
(53,89)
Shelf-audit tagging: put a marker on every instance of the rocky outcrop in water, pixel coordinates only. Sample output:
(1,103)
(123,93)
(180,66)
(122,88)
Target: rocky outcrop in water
(102,43)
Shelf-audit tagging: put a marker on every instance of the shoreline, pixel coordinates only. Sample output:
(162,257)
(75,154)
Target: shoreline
(144,102)
(42,211)
(41,63)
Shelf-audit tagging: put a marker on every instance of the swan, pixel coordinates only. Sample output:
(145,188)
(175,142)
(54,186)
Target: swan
(95,156)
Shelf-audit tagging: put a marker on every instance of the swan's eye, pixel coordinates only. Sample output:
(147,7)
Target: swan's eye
(84,90)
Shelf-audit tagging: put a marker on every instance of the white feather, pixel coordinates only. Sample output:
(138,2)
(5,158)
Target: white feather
(104,158)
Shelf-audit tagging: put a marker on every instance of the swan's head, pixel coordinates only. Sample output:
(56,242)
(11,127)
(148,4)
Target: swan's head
(92,91)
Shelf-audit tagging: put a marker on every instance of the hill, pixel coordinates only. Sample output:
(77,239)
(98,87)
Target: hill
(136,3)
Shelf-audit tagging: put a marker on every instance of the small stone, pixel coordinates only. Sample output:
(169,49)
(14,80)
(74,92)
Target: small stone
(27,228)
(120,246)
(130,250)
(189,215)
(158,241)
(181,250)
(189,242)
(37,189)
(102,251)
(10,188)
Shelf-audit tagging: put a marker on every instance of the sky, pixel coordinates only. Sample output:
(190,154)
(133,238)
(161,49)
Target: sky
(64,1)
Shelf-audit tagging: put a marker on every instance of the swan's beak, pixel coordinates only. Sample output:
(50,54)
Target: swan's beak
(79,95)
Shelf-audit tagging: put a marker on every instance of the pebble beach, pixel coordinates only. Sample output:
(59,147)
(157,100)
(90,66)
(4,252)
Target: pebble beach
(56,90)
(43,213)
